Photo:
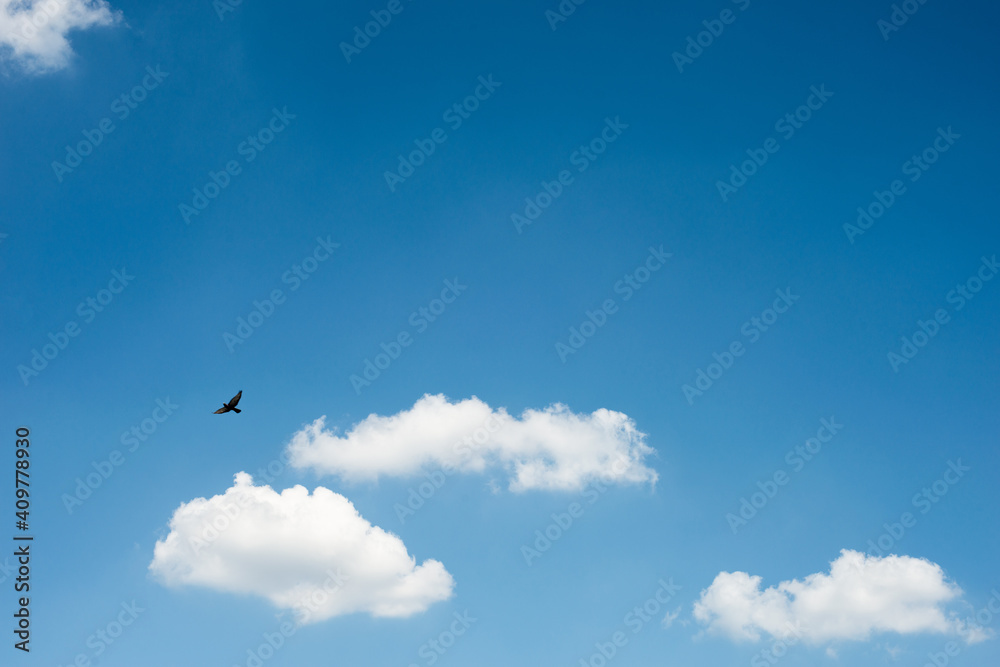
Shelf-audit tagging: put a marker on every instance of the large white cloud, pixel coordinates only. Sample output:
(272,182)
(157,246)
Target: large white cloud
(552,448)
(33,33)
(310,553)
(861,595)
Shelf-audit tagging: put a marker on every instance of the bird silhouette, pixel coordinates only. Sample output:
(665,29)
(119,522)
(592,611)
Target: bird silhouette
(231,405)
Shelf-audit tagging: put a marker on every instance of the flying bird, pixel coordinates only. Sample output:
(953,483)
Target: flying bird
(231,405)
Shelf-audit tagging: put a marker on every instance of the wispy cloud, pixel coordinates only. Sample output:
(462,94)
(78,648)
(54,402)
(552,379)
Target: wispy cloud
(34,34)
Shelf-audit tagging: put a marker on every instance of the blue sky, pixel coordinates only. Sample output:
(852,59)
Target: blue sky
(622,146)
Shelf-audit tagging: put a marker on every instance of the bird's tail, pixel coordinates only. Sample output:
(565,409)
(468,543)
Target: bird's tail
(237,410)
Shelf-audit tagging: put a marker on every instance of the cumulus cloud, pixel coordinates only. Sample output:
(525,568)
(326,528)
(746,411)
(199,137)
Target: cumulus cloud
(553,449)
(313,554)
(33,33)
(860,596)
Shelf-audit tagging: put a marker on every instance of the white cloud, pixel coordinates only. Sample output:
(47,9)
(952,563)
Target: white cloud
(33,33)
(860,596)
(310,553)
(553,448)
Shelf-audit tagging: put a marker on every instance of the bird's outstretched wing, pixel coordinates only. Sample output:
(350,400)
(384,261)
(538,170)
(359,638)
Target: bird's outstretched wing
(236,399)
(224,408)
